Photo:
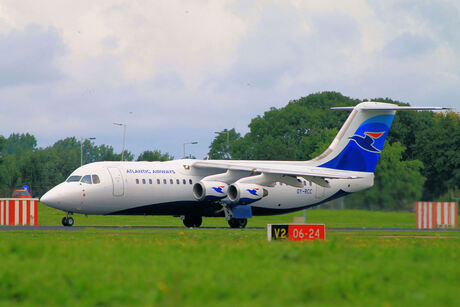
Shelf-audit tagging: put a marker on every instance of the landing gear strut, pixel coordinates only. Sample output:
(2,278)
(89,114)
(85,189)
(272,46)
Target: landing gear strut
(232,222)
(237,223)
(67,220)
(192,221)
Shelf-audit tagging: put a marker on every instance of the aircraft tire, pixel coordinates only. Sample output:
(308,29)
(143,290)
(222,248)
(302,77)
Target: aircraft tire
(197,220)
(67,221)
(237,223)
(192,221)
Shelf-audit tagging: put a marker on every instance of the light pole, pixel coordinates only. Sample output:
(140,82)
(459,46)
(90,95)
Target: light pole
(189,143)
(81,148)
(124,137)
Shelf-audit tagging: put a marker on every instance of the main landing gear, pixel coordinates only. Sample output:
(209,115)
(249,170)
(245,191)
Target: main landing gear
(232,221)
(67,220)
(237,223)
(192,221)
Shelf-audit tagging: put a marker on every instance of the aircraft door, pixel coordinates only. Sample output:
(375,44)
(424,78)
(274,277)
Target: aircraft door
(117,180)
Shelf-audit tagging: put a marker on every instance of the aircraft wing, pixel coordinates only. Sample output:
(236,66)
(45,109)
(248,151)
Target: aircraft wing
(270,172)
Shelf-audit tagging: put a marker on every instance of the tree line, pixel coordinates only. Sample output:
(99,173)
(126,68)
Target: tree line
(23,163)
(420,159)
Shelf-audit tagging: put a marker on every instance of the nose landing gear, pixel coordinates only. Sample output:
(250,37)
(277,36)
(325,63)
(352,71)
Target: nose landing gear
(67,220)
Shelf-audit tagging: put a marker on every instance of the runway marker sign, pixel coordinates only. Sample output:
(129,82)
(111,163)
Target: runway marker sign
(296,232)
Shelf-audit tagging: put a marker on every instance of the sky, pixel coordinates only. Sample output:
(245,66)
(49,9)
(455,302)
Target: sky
(178,71)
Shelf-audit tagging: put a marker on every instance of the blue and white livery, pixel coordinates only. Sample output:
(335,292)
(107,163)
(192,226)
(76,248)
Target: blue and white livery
(234,189)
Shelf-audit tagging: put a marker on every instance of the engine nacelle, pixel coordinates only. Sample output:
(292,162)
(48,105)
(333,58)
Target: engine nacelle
(244,194)
(210,190)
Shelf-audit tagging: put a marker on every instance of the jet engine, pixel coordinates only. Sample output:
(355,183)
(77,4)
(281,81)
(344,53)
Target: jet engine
(243,194)
(210,190)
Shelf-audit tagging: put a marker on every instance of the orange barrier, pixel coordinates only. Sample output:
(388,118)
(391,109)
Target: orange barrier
(436,214)
(19,211)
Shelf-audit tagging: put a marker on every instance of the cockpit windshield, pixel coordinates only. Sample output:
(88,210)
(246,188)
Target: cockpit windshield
(86,179)
(89,179)
(73,179)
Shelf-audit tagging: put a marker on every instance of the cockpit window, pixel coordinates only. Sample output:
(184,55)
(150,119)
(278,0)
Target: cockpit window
(74,178)
(96,179)
(86,179)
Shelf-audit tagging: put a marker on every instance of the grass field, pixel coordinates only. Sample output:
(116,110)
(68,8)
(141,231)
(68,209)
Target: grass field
(221,267)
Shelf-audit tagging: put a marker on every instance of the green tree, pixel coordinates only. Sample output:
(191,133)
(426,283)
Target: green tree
(295,131)
(438,147)
(223,146)
(19,143)
(10,175)
(434,139)
(155,155)
(2,140)
(40,171)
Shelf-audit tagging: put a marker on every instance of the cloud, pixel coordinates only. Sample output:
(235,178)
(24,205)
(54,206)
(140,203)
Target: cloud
(29,56)
(408,45)
(188,68)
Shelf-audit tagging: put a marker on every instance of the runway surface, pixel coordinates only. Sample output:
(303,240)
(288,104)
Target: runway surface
(76,228)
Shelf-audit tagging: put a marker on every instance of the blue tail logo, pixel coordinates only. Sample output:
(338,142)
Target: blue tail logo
(362,151)
(367,142)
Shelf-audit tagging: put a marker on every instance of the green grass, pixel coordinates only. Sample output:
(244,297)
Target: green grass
(220,267)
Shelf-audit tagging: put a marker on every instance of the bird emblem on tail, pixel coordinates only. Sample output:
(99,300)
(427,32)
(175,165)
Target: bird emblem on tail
(367,142)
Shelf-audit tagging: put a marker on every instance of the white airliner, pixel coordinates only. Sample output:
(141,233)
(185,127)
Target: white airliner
(234,189)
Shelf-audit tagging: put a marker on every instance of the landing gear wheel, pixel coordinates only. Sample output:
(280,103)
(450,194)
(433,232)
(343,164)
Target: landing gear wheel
(67,221)
(192,221)
(237,223)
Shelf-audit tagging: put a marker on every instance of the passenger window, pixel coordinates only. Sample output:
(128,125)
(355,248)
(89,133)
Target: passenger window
(74,179)
(164,181)
(150,181)
(310,183)
(171,181)
(177,181)
(158,181)
(137,181)
(184,181)
(96,179)
(86,179)
(190,181)
(143,181)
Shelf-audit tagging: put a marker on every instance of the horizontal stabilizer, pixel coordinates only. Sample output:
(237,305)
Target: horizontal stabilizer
(389,107)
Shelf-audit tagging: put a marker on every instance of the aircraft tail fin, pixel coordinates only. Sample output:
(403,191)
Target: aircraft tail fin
(359,142)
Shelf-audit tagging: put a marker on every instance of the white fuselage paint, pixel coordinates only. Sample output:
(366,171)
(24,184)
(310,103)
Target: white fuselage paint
(113,195)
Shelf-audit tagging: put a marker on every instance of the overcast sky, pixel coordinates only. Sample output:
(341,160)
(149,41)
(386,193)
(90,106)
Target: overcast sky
(177,71)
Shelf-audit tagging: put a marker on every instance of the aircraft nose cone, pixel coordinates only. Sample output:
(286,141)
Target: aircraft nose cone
(51,198)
